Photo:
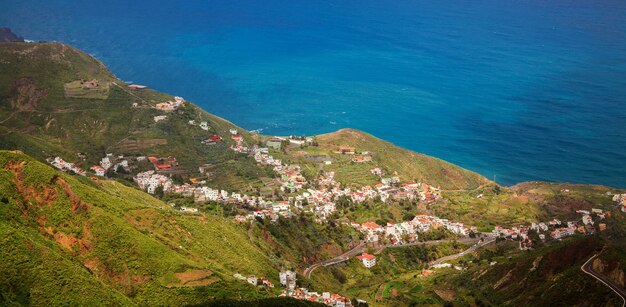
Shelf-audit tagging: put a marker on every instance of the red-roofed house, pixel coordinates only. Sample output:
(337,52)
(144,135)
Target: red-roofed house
(214,138)
(371,226)
(367,259)
(99,170)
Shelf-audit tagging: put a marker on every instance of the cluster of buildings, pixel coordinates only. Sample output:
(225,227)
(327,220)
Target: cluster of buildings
(621,201)
(326,298)
(321,201)
(291,178)
(67,166)
(288,281)
(171,105)
(255,280)
(240,145)
(150,181)
(163,163)
(203,125)
(407,232)
(555,229)
(110,162)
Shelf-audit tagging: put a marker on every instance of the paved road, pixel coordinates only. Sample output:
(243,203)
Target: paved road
(359,248)
(457,255)
(588,269)
(433,242)
(341,258)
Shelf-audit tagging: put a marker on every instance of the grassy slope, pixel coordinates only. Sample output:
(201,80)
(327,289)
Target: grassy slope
(393,267)
(40,121)
(558,277)
(74,241)
(408,165)
(542,277)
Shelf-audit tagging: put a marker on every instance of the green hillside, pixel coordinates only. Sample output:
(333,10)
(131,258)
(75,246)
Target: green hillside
(408,165)
(38,118)
(70,240)
(82,240)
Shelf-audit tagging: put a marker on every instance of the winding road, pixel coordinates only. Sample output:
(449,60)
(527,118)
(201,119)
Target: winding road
(457,255)
(587,267)
(360,248)
(432,242)
(341,258)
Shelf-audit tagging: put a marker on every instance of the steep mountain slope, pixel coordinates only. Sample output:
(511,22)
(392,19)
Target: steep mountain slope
(38,116)
(75,240)
(69,240)
(541,277)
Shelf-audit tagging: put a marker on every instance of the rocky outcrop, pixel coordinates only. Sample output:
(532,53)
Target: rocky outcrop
(24,94)
(613,271)
(6,35)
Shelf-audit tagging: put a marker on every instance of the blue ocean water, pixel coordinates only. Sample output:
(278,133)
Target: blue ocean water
(520,90)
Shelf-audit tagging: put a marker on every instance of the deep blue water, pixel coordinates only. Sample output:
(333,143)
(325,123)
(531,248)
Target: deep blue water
(524,90)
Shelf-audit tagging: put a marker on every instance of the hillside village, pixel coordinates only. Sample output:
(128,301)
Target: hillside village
(342,202)
(288,280)
(319,197)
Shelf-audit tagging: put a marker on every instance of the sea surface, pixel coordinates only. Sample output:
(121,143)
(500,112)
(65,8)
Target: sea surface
(513,89)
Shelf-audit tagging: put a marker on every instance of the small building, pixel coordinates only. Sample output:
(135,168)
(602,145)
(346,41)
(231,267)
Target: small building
(253,280)
(362,159)
(160,118)
(213,139)
(137,87)
(98,170)
(367,259)
(288,279)
(274,143)
(346,150)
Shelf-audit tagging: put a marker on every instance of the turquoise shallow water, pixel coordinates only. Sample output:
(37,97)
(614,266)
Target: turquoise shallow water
(523,90)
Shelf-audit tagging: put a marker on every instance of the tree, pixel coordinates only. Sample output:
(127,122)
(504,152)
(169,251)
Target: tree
(158,192)
(497,189)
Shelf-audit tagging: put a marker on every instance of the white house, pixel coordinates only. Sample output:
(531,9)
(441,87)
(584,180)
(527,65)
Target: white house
(252,280)
(159,118)
(288,279)
(99,170)
(367,259)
